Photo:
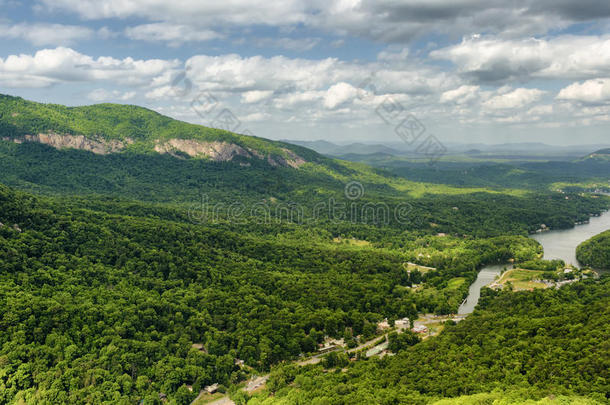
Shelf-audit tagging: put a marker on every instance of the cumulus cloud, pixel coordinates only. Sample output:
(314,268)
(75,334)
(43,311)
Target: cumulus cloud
(515,99)
(243,12)
(462,94)
(590,91)
(339,94)
(52,66)
(235,73)
(46,34)
(254,96)
(381,20)
(494,60)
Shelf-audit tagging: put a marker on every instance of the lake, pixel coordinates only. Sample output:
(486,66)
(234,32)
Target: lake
(559,244)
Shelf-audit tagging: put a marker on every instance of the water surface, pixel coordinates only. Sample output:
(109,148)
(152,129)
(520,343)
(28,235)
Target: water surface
(559,244)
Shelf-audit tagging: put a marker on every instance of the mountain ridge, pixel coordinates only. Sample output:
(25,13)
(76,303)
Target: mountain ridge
(113,128)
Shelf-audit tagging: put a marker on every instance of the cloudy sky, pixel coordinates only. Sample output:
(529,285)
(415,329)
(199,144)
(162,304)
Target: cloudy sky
(490,71)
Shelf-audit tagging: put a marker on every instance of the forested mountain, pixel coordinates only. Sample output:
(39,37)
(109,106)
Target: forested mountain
(97,305)
(108,128)
(595,252)
(520,346)
(142,256)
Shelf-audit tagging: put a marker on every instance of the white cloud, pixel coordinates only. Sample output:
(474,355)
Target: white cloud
(255,96)
(380,20)
(462,94)
(489,60)
(515,99)
(236,73)
(544,109)
(590,91)
(193,12)
(339,94)
(171,33)
(52,66)
(46,34)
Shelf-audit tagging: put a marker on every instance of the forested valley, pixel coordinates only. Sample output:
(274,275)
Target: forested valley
(141,276)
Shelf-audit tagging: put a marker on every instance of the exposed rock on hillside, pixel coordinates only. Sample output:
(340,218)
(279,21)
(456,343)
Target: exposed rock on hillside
(217,151)
(60,141)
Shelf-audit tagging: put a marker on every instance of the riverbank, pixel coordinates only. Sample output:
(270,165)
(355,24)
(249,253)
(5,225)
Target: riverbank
(557,244)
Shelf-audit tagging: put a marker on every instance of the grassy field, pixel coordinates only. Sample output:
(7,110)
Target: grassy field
(422,269)
(207,398)
(456,283)
(521,279)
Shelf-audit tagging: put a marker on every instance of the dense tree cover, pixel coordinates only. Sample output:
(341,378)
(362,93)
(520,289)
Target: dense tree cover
(540,343)
(545,265)
(519,173)
(98,306)
(162,178)
(108,281)
(19,117)
(595,252)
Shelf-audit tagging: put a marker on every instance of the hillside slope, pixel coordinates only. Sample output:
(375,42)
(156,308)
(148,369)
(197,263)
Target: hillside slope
(111,128)
(536,344)
(595,252)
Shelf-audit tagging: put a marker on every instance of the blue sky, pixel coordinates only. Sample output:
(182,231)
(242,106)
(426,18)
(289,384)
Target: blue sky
(469,70)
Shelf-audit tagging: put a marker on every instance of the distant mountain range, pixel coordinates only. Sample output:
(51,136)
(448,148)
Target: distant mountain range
(377,150)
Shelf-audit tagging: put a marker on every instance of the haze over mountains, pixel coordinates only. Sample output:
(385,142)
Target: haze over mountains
(530,149)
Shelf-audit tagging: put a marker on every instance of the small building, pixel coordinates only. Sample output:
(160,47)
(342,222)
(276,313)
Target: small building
(420,329)
(239,362)
(567,271)
(402,323)
(327,348)
(383,325)
(210,389)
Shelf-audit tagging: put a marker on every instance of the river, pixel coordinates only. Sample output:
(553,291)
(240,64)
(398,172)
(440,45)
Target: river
(559,244)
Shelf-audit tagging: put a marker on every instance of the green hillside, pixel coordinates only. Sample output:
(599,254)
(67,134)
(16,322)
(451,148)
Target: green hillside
(520,346)
(102,301)
(595,252)
(140,126)
(600,155)
(134,266)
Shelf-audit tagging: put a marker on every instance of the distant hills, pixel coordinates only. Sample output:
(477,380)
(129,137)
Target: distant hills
(376,152)
(602,154)
(331,149)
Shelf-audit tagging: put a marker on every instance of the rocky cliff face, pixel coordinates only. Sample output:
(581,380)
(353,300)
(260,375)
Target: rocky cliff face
(215,150)
(60,141)
(224,152)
